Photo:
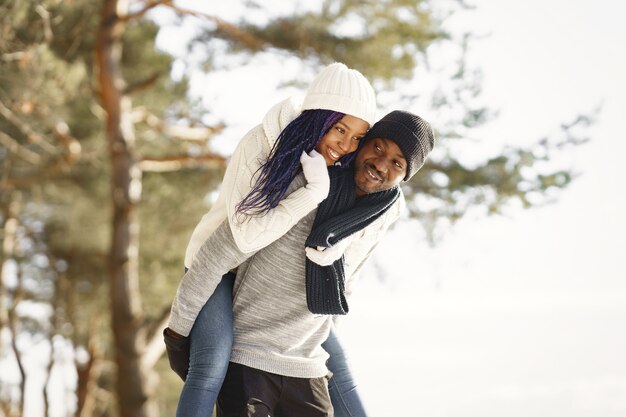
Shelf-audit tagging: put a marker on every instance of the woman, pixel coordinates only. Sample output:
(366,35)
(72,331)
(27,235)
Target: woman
(336,112)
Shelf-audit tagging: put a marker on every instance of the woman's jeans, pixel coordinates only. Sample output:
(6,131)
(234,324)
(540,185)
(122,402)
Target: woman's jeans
(211,341)
(341,386)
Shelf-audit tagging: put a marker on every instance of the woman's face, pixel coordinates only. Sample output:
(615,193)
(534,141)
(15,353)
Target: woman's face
(342,139)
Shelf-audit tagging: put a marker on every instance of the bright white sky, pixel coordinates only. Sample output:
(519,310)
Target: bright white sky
(511,316)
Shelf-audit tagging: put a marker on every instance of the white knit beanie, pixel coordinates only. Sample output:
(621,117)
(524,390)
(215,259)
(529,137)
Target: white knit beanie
(344,90)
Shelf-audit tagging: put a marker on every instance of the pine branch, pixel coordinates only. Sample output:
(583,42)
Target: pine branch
(23,152)
(176,163)
(191,133)
(48,172)
(149,6)
(72,146)
(45,17)
(141,114)
(245,38)
(30,134)
(143,85)
(14,56)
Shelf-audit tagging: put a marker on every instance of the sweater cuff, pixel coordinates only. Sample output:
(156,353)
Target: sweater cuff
(300,203)
(180,326)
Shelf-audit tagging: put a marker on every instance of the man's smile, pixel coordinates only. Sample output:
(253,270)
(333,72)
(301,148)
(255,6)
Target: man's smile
(373,172)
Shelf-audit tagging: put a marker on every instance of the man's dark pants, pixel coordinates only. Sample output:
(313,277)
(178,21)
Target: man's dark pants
(249,392)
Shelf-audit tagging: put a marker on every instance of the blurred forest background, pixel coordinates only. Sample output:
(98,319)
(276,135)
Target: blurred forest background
(106,157)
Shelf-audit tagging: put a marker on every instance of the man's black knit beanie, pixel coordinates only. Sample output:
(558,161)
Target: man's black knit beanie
(410,132)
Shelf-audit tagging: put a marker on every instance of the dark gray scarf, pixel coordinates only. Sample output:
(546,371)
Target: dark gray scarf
(338,216)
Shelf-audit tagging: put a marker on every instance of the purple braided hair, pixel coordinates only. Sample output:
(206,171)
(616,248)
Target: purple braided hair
(301,135)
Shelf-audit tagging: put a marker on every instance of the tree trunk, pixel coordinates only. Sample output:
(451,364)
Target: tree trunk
(135,383)
(8,316)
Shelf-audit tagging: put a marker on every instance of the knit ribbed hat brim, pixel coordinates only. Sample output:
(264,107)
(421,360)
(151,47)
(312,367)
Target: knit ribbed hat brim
(413,135)
(343,90)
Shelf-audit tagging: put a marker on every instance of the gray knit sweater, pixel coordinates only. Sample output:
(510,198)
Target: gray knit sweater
(273,329)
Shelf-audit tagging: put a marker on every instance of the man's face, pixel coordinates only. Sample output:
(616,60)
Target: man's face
(379,166)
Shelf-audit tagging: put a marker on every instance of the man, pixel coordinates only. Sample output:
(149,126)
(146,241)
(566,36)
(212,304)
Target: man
(278,365)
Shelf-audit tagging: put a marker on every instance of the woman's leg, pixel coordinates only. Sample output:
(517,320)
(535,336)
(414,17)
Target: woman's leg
(211,341)
(342,388)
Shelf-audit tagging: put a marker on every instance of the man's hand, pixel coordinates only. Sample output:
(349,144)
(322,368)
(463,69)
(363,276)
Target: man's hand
(316,174)
(177,347)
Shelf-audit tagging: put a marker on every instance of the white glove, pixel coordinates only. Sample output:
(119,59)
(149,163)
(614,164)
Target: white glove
(326,256)
(316,174)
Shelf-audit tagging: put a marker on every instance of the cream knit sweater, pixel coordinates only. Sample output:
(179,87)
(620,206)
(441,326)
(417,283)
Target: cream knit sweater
(253,233)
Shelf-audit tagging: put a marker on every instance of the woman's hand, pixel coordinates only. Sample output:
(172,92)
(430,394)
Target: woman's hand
(326,256)
(177,347)
(316,174)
